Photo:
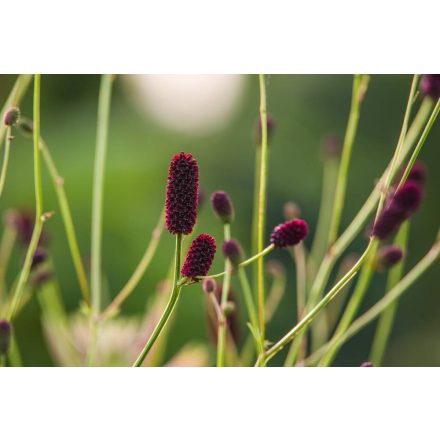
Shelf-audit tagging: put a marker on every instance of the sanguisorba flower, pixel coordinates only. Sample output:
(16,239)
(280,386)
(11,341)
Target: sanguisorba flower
(400,207)
(232,251)
(182,194)
(388,256)
(222,206)
(200,257)
(430,85)
(5,337)
(289,233)
(11,117)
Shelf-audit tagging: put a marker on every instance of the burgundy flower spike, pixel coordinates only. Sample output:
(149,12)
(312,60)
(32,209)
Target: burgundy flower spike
(222,206)
(388,257)
(182,194)
(289,233)
(200,256)
(402,205)
(430,85)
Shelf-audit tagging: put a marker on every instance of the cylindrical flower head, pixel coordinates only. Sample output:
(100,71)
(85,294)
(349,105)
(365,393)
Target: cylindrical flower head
(289,233)
(200,256)
(5,337)
(367,364)
(209,285)
(222,206)
(232,251)
(417,174)
(11,117)
(430,85)
(388,256)
(182,194)
(401,206)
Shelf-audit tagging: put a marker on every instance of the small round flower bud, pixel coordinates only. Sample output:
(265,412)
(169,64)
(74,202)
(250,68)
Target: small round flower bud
(257,129)
(222,206)
(200,257)
(232,251)
(291,210)
(182,194)
(209,285)
(331,146)
(367,364)
(289,233)
(229,308)
(388,256)
(430,85)
(5,337)
(11,117)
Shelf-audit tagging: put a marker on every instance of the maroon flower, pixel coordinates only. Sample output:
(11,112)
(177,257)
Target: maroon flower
(430,85)
(200,256)
(289,233)
(232,250)
(388,256)
(417,173)
(401,206)
(11,117)
(209,285)
(222,206)
(182,194)
(5,337)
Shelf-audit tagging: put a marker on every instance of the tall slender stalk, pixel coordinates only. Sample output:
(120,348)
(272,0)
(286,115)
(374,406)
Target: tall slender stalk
(262,206)
(222,324)
(39,218)
(5,158)
(386,319)
(175,293)
(98,190)
(7,244)
(135,278)
(66,214)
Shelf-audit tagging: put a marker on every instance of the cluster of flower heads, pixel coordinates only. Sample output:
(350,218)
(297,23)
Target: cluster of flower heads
(402,205)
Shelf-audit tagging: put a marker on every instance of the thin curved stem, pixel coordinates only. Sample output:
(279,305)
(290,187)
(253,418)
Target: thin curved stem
(98,190)
(39,218)
(5,159)
(175,293)
(262,206)
(248,298)
(66,214)
(138,272)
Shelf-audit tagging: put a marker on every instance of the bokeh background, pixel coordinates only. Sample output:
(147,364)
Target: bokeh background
(213,117)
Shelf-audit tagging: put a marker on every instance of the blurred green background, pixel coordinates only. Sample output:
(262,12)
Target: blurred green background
(305,108)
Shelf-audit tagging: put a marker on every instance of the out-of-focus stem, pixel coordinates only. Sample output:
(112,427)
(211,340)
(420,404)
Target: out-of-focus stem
(7,244)
(5,159)
(386,319)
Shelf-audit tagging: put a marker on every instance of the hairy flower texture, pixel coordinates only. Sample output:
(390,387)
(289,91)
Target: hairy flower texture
(222,206)
(200,256)
(5,337)
(367,364)
(430,85)
(232,318)
(401,206)
(232,251)
(388,256)
(11,117)
(182,194)
(289,233)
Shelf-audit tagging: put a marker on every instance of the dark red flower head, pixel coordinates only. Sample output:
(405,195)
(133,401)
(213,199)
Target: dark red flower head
(222,206)
(232,250)
(209,285)
(11,117)
(289,233)
(182,194)
(430,85)
(401,206)
(200,256)
(367,364)
(388,256)
(417,173)
(5,337)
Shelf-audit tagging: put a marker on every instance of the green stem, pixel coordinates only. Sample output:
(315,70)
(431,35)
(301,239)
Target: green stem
(248,298)
(305,322)
(6,247)
(66,214)
(262,206)
(5,159)
(175,293)
(352,307)
(255,214)
(138,272)
(98,190)
(245,263)
(386,319)
(222,325)
(24,274)
(360,83)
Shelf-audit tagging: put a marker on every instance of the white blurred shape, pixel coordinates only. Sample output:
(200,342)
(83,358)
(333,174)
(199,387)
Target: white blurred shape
(189,103)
